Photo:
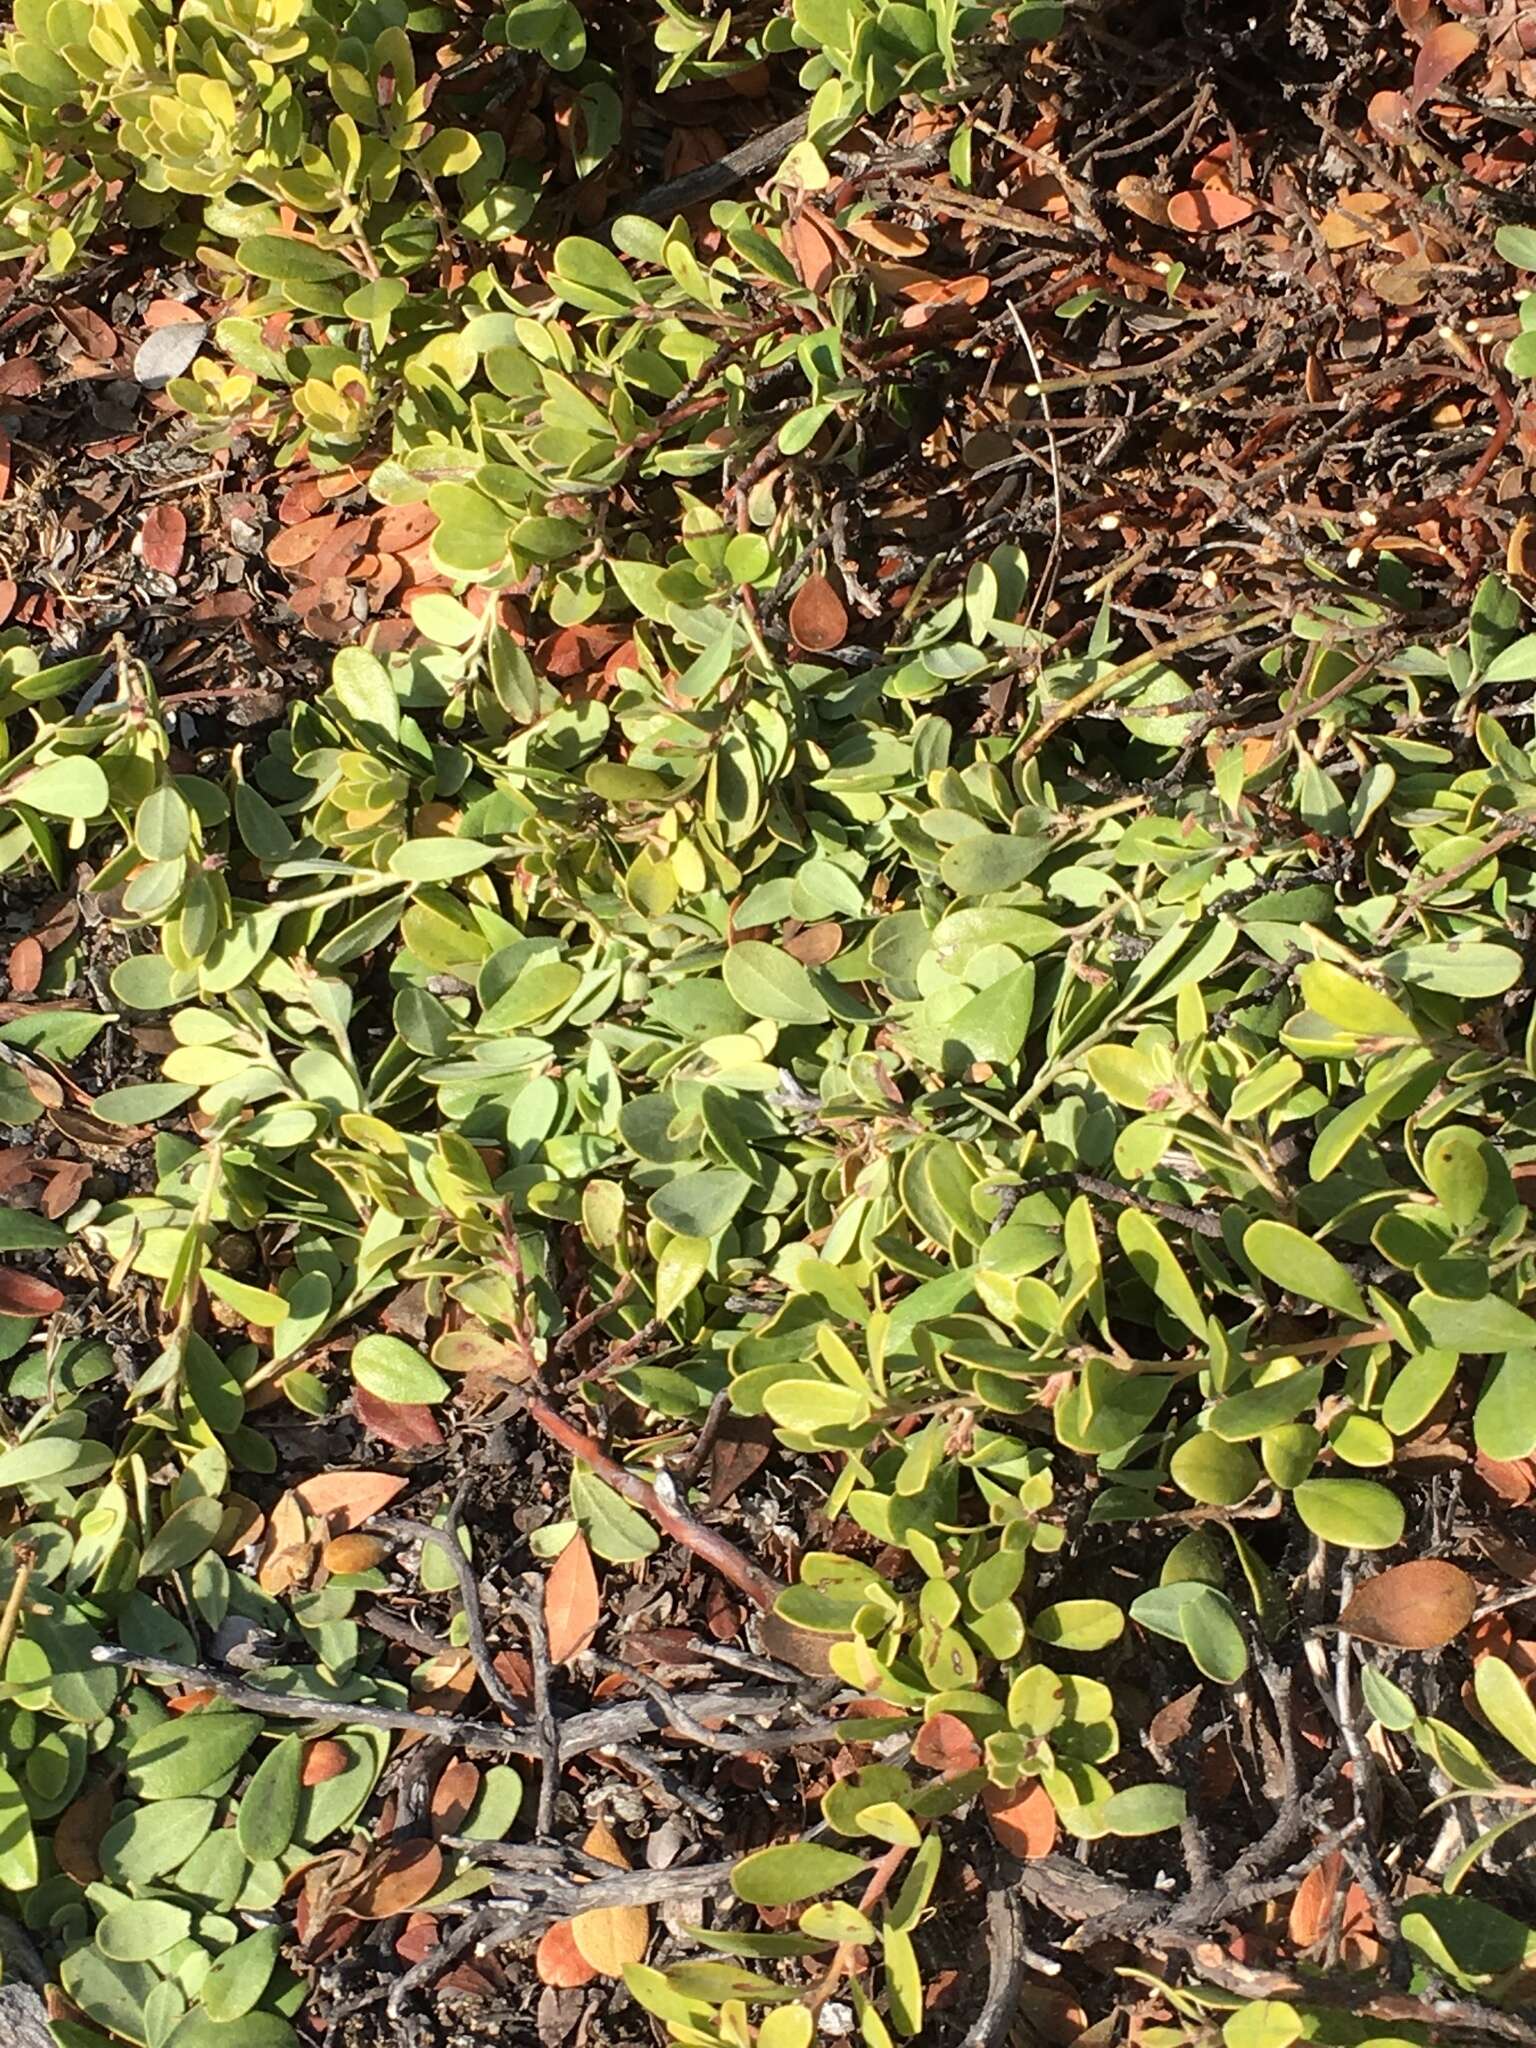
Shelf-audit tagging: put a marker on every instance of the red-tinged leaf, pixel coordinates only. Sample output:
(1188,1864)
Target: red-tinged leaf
(25,966)
(408,1428)
(947,291)
(946,1745)
(23,1294)
(453,1795)
(572,1603)
(5,462)
(815,248)
(1023,1820)
(818,618)
(163,538)
(1416,1606)
(417,1938)
(557,1960)
(170,313)
(1312,1913)
(1444,50)
(190,1702)
(295,544)
(322,1760)
(1387,112)
(1417,16)
(395,1880)
(345,1500)
(93,333)
(403,526)
(1208,211)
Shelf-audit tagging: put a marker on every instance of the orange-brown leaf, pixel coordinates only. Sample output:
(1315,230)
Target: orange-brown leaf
(612,1937)
(946,1744)
(23,1294)
(559,1962)
(25,966)
(354,1553)
(572,1603)
(1023,1820)
(1444,50)
(163,538)
(1416,1606)
(818,618)
(1208,211)
(323,1759)
(396,1880)
(453,1795)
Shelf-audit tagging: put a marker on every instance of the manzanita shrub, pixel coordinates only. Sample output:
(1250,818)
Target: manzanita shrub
(1134,1102)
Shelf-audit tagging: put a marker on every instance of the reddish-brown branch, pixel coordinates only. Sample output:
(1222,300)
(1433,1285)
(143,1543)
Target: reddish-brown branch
(715,1550)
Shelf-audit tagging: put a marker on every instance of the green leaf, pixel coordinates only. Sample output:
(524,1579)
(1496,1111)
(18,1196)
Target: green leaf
(393,1370)
(280,260)
(1213,1635)
(1078,1624)
(1153,1257)
(1353,1005)
(771,984)
(1458,967)
(1213,1471)
(241,1975)
(1486,1323)
(18,1846)
(73,787)
(1356,1514)
(1266,2023)
(1517,245)
(144,1103)
(22,1231)
(1504,1422)
(1506,1704)
(439,860)
(702,1203)
(269,1811)
(143,1931)
(791,1871)
(1143,1810)
(618,1532)
(189,1753)
(1293,1261)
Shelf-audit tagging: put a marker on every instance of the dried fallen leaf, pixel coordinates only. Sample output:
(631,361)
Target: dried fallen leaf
(345,1500)
(457,1787)
(1416,1606)
(1023,1820)
(168,352)
(25,966)
(1141,197)
(344,1555)
(558,1962)
(1444,50)
(322,1760)
(945,1744)
(572,1603)
(407,1427)
(78,1831)
(1354,219)
(163,538)
(23,1294)
(1312,1912)
(397,1878)
(1208,211)
(818,618)
(612,1936)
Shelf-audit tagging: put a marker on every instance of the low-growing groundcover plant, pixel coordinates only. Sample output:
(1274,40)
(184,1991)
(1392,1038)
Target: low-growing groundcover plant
(1092,1141)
